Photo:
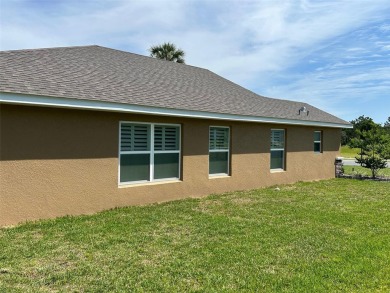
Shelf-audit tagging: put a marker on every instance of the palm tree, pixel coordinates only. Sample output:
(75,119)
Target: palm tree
(167,51)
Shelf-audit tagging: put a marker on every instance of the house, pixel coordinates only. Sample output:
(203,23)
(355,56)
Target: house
(84,129)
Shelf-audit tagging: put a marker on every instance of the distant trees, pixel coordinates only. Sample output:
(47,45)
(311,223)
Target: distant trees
(167,51)
(360,124)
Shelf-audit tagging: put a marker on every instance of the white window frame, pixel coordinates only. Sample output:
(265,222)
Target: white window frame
(279,149)
(318,141)
(220,151)
(151,152)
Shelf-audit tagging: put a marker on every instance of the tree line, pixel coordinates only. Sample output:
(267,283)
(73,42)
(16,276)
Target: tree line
(360,124)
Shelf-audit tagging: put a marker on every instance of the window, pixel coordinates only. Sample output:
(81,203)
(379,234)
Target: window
(277,148)
(219,151)
(318,141)
(148,152)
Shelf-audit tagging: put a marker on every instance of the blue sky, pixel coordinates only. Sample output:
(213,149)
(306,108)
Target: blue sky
(334,55)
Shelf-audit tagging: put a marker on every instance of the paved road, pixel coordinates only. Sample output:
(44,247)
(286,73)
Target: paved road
(348,162)
(351,162)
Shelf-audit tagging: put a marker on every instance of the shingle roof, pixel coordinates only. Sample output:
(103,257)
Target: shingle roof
(102,74)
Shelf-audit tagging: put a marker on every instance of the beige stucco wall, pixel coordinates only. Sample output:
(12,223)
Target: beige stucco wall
(58,162)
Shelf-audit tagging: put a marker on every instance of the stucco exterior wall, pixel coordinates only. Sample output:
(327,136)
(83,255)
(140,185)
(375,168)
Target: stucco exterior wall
(57,162)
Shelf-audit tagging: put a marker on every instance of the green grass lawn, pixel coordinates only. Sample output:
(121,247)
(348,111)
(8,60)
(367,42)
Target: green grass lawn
(347,152)
(326,236)
(351,170)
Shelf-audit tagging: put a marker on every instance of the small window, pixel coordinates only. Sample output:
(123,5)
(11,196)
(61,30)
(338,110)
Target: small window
(277,148)
(219,151)
(148,152)
(318,141)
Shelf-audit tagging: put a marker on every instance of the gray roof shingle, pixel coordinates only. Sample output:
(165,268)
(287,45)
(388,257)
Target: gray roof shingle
(102,74)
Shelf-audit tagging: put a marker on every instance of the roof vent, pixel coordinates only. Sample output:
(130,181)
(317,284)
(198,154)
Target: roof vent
(303,110)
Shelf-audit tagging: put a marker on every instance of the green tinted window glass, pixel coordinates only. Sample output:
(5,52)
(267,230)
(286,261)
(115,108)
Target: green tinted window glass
(134,167)
(317,147)
(218,163)
(277,159)
(166,166)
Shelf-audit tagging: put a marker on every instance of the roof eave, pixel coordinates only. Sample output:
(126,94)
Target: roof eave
(59,102)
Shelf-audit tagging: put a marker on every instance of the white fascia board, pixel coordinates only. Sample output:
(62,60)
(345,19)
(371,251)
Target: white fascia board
(23,99)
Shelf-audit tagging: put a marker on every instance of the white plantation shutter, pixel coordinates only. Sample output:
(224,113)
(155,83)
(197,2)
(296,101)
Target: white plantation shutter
(166,138)
(277,139)
(126,135)
(134,137)
(171,138)
(219,138)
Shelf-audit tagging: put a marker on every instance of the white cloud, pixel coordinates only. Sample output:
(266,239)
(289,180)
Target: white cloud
(385,27)
(339,92)
(386,47)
